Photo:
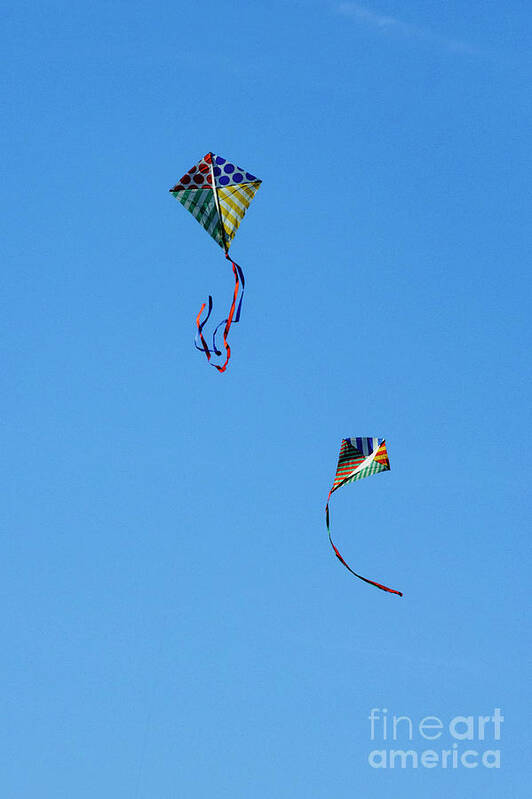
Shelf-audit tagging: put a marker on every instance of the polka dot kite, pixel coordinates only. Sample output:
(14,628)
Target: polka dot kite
(218,193)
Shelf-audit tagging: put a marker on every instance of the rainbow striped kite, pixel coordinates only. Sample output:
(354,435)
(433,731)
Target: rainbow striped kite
(359,457)
(217,193)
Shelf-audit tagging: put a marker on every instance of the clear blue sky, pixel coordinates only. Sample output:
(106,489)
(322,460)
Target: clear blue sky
(174,621)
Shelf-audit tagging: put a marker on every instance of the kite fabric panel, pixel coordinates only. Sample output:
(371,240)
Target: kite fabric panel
(218,193)
(358,458)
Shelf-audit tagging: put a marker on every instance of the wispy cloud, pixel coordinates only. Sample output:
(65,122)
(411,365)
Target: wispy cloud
(389,24)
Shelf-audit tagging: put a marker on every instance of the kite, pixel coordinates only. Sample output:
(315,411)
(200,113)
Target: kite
(217,193)
(358,458)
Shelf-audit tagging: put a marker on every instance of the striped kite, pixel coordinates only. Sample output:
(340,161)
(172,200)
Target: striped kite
(218,193)
(359,457)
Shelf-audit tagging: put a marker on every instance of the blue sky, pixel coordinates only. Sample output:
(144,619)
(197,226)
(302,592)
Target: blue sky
(174,621)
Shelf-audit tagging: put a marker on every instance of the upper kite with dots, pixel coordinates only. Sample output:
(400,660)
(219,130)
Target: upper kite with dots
(225,174)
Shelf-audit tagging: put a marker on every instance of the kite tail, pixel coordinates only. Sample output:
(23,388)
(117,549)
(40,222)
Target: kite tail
(232,318)
(229,321)
(371,582)
(236,317)
(199,334)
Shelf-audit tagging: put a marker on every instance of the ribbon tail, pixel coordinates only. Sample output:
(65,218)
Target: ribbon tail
(243,284)
(216,329)
(236,317)
(229,320)
(199,335)
(340,558)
